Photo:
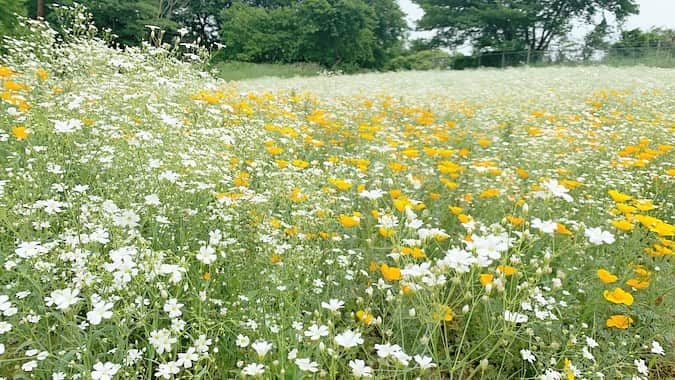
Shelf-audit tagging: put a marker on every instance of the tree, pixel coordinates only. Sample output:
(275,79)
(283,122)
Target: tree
(201,17)
(495,25)
(125,18)
(595,40)
(8,20)
(346,33)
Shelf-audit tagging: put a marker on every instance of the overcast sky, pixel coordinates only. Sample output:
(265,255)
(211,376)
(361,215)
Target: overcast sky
(660,13)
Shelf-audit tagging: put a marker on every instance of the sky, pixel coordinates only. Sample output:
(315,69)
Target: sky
(660,13)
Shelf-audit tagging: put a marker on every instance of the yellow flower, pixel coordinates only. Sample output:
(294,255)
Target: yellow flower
(618,295)
(562,229)
(516,221)
(619,321)
(340,183)
(606,277)
(20,132)
(618,196)
(486,279)
(386,232)
(42,74)
(623,225)
(348,221)
(390,273)
(507,270)
(443,313)
(364,317)
(415,252)
(489,193)
(638,283)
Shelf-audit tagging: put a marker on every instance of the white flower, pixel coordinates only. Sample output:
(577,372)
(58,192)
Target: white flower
(425,362)
(315,332)
(306,365)
(172,307)
(253,369)
(101,311)
(104,371)
(597,236)
(2,348)
(242,341)
(202,344)
(587,354)
(384,350)
(63,298)
(126,219)
(152,200)
(657,349)
(590,342)
(372,194)
(68,126)
(207,255)
(186,359)
(528,356)
(547,226)
(641,367)
(261,347)
(29,366)
(360,369)
(29,249)
(333,305)
(161,340)
(551,374)
(557,190)
(514,317)
(167,370)
(457,259)
(349,339)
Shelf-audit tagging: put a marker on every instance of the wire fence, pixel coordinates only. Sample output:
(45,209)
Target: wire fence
(650,56)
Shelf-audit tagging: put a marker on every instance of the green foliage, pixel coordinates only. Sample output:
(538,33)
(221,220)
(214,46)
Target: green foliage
(421,60)
(200,16)
(340,33)
(257,34)
(513,24)
(8,20)
(127,19)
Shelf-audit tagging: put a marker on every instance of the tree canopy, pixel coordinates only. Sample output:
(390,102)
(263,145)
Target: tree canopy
(512,24)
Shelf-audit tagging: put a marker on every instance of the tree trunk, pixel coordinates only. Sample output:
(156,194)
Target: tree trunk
(40,9)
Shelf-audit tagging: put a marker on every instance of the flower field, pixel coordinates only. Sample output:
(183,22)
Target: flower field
(156,222)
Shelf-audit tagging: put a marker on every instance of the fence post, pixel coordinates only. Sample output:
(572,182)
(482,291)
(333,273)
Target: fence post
(503,58)
(528,55)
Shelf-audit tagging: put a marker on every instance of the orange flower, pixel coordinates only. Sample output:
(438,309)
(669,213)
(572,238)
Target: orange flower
(605,276)
(619,321)
(618,295)
(390,273)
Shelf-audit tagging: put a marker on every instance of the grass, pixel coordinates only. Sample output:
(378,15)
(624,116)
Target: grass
(234,71)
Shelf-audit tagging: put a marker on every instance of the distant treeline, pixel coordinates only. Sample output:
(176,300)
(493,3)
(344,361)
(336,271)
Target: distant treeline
(354,34)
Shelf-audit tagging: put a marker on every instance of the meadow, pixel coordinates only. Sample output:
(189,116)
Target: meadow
(157,222)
